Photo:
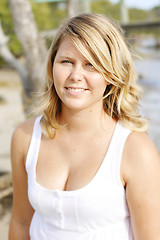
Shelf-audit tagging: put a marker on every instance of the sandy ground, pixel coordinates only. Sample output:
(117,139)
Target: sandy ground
(11,114)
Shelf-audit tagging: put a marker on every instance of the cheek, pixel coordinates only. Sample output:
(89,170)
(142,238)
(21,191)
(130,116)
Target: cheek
(55,73)
(58,77)
(60,74)
(99,82)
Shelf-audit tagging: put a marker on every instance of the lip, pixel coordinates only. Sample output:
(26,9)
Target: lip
(76,90)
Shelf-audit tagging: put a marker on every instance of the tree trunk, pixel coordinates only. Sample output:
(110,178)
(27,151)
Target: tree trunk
(72,7)
(10,59)
(33,46)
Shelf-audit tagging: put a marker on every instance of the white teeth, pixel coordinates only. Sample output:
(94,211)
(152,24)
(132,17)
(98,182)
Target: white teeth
(76,89)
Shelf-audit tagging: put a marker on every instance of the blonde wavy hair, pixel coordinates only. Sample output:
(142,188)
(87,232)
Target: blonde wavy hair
(102,43)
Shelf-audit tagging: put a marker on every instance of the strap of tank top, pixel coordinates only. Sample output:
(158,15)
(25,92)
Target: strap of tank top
(116,150)
(34,144)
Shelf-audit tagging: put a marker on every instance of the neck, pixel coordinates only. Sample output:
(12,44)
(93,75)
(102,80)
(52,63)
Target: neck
(86,120)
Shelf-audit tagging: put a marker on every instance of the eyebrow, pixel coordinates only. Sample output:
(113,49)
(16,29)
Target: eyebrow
(64,56)
(69,58)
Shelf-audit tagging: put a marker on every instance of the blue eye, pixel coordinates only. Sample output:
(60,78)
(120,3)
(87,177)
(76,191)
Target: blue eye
(89,64)
(66,61)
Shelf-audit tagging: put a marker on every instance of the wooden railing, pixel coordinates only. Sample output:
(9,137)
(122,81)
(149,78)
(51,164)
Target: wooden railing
(141,25)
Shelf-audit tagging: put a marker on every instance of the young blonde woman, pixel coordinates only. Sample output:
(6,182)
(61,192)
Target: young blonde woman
(85,169)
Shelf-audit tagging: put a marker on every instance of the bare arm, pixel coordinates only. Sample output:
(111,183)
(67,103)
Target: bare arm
(22,211)
(142,177)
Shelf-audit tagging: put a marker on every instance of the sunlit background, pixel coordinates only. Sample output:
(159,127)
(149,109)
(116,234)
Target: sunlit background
(26,31)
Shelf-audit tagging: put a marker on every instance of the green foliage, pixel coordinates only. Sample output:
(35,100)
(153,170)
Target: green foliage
(137,14)
(113,11)
(107,8)
(7,24)
(14,45)
(5,17)
(47,15)
(154,14)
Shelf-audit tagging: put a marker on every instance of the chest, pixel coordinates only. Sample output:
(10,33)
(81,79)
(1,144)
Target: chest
(99,204)
(70,163)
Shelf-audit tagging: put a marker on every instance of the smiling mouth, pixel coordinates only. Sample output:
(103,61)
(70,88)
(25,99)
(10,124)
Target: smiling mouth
(76,89)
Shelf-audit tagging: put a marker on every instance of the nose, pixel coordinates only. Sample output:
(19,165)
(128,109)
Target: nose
(77,73)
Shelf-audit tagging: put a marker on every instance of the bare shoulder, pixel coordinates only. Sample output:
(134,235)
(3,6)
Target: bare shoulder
(24,128)
(140,144)
(139,153)
(21,137)
(22,211)
(140,171)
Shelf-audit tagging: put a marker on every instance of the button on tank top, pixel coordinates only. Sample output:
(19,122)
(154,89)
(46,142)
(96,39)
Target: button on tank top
(98,211)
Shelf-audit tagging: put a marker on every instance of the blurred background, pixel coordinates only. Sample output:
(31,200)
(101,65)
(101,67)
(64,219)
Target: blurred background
(27,28)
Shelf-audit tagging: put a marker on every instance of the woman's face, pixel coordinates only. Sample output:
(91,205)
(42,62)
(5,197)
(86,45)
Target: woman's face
(78,84)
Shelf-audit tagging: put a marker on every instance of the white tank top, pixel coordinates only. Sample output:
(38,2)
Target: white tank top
(98,211)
